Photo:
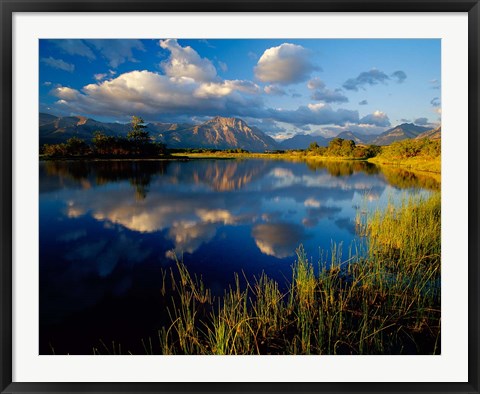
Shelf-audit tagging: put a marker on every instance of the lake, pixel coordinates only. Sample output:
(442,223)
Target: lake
(109,230)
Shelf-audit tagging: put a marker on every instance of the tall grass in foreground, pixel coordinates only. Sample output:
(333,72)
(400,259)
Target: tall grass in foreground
(383,300)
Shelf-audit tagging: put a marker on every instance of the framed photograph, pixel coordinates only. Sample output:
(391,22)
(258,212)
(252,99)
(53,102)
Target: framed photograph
(239,197)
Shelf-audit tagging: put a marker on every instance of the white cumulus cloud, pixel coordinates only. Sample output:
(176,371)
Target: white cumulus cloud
(66,93)
(224,88)
(285,64)
(186,62)
(148,93)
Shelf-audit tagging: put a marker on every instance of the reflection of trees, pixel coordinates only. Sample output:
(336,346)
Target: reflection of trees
(138,173)
(58,175)
(76,171)
(398,177)
(343,168)
(404,179)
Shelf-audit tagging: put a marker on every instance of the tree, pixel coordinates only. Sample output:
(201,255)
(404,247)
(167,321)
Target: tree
(347,148)
(161,148)
(335,146)
(55,150)
(103,144)
(137,133)
(77,147)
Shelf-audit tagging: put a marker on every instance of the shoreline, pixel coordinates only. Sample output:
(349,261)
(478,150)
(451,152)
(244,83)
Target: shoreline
(432,167)
(420,166)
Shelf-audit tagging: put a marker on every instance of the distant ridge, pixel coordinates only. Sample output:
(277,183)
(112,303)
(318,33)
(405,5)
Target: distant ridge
(399,133)
(57,129)
(434,134)
(302,141)
(359,139)
(218,133)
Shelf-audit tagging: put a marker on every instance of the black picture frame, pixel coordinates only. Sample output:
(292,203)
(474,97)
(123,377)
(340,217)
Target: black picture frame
(9,7)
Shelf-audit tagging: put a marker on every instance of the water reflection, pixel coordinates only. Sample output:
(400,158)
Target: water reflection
(278,239)
(107,228)
(87,174)
(191,200)
(343,168)
(404,179)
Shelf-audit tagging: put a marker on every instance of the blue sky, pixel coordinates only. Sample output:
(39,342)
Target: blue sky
(283,86)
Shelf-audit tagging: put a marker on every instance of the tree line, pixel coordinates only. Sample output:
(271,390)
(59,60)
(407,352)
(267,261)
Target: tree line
(137,143)
(339,147)
(424,148)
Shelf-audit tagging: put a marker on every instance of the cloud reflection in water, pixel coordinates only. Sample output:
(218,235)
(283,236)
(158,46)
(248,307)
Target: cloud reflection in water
(192,200)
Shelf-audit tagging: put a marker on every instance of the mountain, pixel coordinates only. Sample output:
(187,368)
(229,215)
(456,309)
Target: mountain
(45,118)
(157,129)
(434,134)
(218,133)
(57,129)
(302,141)
(399,133)
(356,137)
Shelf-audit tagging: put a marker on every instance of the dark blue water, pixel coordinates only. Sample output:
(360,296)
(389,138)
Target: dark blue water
(108,229)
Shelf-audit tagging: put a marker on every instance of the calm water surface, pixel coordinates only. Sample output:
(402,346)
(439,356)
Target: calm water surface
(107,229)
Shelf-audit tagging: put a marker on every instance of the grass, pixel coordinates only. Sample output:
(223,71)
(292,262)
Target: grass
(291,155)
(419,155)
(294,155)
(424,164)
(384,298)
(421,164)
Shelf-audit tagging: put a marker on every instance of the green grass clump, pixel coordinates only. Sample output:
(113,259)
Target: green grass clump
(409,234)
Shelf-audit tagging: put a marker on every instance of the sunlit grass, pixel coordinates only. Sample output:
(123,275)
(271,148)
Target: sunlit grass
(425,164)
(422,164)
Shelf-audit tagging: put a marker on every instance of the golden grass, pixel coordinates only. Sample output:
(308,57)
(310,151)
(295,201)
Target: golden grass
(422,164)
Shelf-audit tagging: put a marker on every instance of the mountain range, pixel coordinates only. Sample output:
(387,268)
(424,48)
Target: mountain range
(218,133)
(399,133)
(433,134)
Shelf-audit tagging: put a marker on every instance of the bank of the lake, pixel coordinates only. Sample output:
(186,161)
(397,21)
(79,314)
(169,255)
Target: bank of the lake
(425,165)
(431,165)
